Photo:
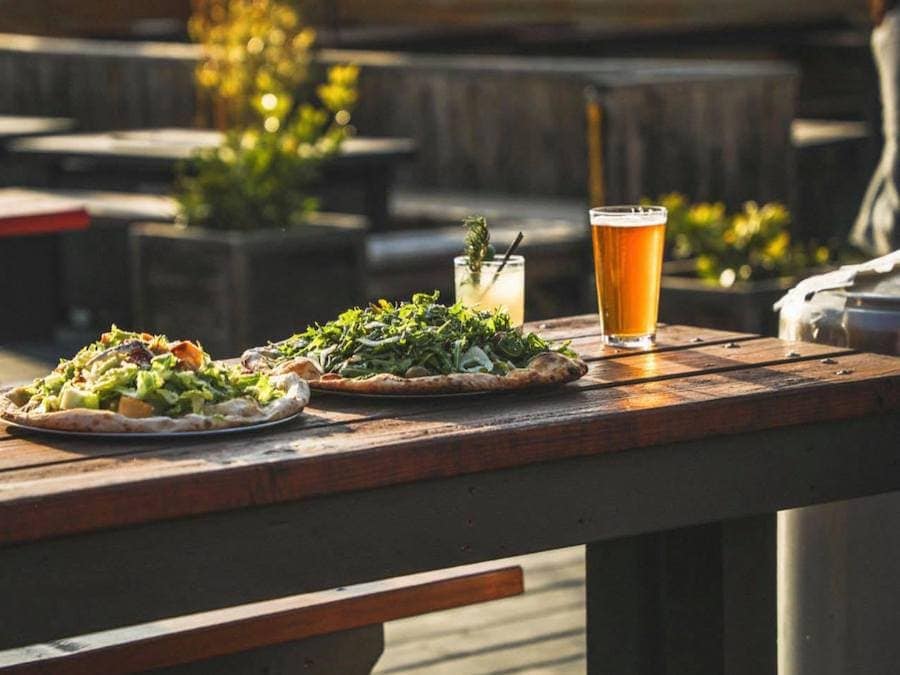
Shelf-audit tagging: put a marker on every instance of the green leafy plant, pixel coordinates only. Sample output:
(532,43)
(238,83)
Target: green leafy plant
(752,244)
(257,65)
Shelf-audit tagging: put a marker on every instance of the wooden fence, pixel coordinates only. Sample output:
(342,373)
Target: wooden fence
(667,12)
(100,84)
(516,124)
(492,123)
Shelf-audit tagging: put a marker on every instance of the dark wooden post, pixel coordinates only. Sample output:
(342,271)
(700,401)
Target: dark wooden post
(690,601)
(594,115)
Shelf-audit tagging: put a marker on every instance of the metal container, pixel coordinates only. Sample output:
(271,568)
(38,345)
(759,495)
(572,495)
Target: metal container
(838,577)
(857,306)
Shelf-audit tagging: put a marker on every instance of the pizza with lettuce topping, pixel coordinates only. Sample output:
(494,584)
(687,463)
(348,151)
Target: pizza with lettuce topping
(418,347)
(137,382)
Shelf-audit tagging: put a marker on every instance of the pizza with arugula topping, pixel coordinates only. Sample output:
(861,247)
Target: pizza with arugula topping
(418,347)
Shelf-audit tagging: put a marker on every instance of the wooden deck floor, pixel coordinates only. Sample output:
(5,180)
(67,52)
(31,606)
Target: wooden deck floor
(541,631)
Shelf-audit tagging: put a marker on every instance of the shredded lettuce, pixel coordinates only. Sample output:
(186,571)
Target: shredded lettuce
(422,335)
(141,366)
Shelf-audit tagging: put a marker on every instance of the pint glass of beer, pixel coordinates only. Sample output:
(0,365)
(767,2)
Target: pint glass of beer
(628,253)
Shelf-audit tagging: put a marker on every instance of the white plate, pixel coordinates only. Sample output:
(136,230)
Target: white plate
(154,434)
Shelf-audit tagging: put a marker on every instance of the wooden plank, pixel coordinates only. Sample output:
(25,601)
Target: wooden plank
(131,575)
(192,638)
(513,431)
(45,223)
(20,126)
(614,367)
(617,368)
(671,338)
(160,149)
(26,213)
(350,652)
(603,15)
(667,336)
(336,410)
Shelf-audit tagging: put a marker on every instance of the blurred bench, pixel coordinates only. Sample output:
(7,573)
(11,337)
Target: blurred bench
(510,124)
(14,127)
(30,225)
(356,180)
(93,264)
(516,124)
(104,275)
(329,632)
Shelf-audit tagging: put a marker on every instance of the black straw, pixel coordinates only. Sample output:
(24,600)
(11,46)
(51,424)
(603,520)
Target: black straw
(506,256)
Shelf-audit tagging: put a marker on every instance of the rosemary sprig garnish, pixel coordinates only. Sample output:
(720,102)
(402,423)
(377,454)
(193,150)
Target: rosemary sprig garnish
(478,247)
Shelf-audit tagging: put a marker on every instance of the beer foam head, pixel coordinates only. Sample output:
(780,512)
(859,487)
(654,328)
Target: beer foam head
(628,216)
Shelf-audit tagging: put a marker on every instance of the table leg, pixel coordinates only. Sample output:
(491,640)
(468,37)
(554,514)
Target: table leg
(377,196)
(690,601)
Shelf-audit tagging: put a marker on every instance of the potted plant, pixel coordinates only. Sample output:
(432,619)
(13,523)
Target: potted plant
(727,270)
(249,258)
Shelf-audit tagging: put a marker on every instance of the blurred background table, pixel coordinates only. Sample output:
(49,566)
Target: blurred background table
(29,260)
(358,180)
(15,126)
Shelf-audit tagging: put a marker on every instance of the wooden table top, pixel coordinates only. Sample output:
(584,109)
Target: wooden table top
(168,145)
(696,383)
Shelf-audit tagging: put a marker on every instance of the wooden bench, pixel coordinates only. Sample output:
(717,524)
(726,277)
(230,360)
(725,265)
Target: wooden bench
(334,631)
(17,127)
(97,282)
(93,265)
(358,179)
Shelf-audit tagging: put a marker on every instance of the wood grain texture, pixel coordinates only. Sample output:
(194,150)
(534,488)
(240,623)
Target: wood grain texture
(584,332)
(100,85)
(501,123)
(187,639)
(350,652)
(653,127)
(441,439)
(514,124)
(70,585)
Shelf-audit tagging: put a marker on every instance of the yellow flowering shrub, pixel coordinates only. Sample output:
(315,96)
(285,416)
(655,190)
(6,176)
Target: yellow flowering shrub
(257,67)
(752,244)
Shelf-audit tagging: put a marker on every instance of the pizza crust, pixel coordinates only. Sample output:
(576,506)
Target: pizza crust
(235,413)
(547,369)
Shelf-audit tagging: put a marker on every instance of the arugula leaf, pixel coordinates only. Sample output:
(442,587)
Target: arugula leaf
(420,335)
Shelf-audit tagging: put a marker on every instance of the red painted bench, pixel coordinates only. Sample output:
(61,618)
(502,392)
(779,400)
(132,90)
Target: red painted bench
(30,260)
